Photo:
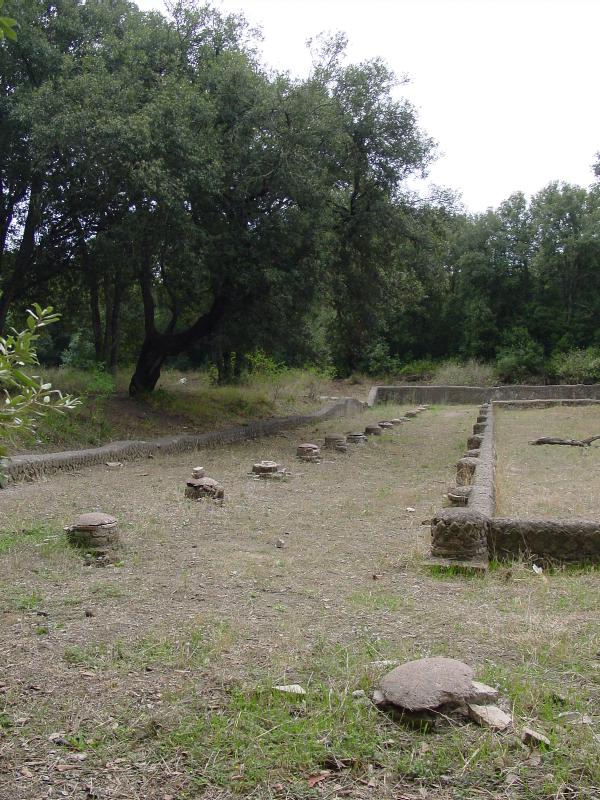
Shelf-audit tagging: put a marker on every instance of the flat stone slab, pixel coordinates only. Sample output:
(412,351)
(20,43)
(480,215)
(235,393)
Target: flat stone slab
(428,683)
(92,522)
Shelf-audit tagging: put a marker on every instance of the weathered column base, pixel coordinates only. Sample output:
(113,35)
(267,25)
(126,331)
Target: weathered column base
(459,536)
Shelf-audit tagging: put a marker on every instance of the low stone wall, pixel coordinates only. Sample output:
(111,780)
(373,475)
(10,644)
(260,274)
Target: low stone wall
(461,534)
(482,497)
(33,467)
(457,533)
(523,405)
(473,395)
(562,540)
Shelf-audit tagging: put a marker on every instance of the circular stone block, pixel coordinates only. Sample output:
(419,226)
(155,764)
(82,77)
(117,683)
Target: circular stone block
(265,467)
(472,453)
(459,533)
(396,421)
(335,441)
(479,427)
(482,418)
(386,424)
(93,521)
(465,470)
(428,683)
(308,452)
(410,414)
(356,438)
(94,531)
(458,495)
(475,441)
(373,430)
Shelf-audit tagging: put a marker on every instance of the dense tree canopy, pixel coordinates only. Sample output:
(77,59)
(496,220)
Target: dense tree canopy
(173,196)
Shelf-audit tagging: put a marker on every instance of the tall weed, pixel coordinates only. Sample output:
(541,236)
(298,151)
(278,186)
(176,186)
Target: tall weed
(466,373)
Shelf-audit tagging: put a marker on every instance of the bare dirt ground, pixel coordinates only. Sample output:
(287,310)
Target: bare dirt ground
(547,480)
(151,678)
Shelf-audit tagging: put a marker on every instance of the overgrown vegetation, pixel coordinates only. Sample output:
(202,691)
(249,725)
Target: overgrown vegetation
(200,209)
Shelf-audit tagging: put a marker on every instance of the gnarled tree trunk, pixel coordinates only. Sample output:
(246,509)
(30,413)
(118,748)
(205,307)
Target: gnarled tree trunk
(158,346)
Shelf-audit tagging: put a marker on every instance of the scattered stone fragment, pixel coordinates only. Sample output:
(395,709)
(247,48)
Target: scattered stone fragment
(198,472)
(89,612)
(386,424)
(575,718)
(489,716)
(428,683)
(114,464)
(359,694)
(534,738)
(373,430)
(410,509)
(291,688)
(474,453)
(308,452)
(481,693)
(396,421)
(378,698)
(280,543)
(204,489)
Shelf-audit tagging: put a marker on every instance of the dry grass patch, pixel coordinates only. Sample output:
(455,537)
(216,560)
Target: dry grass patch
(547,480)
(165,689)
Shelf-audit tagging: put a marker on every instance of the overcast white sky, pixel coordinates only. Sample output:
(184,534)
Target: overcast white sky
(508,88)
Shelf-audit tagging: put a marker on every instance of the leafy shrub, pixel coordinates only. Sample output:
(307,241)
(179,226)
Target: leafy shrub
(259,363)
(420,370)
(377,360)
(521,357)
(80,352)
(576,366)
(467,373)
(26,398)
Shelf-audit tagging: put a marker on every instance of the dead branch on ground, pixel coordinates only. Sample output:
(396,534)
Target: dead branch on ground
(570,442)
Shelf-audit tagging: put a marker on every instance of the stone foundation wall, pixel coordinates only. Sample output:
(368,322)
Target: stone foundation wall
(482,497)
(473,395)
(33,467)
(561,540)
(456,533)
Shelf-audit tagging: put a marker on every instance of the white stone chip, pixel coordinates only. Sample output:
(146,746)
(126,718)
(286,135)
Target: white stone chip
(290,688)
(490,716)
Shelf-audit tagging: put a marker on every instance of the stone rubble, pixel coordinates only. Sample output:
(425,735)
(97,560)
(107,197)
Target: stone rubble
(204,489)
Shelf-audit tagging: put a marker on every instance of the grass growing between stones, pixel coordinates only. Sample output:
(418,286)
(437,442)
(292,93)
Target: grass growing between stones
(166,689)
